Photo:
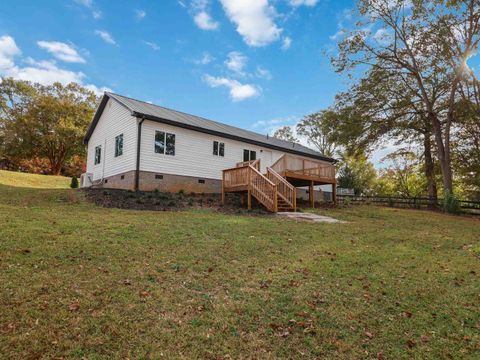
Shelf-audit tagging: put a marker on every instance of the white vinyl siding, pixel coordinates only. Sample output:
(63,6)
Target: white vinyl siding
(193,153)
(115,120)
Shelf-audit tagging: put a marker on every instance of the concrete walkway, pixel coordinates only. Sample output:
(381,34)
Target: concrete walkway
(309,217)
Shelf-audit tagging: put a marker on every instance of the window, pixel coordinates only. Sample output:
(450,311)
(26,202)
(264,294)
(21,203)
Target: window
(98,154)
(249,155)
(122,177)
(159,177)
(118,145)
(201,181)
(164,143)
(218,148)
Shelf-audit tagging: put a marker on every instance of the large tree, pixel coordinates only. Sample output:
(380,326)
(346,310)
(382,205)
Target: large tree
(313,128)
(425,44)
(45,121)
(285,133)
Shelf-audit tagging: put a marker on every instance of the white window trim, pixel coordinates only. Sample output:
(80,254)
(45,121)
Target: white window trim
(219,142)
(165,143)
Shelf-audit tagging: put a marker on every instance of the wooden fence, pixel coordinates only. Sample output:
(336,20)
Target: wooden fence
(415,202)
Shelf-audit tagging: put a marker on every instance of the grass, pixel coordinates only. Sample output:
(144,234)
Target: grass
(80,281)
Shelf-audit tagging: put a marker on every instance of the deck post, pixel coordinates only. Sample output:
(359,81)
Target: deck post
(310,193)
(249,193)
(334,193)
(223,187)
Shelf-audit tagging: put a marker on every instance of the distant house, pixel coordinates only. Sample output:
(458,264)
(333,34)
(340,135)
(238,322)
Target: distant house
(139,146)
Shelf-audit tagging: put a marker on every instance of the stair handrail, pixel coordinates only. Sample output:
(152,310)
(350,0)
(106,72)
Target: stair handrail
(285,190)
(263,189)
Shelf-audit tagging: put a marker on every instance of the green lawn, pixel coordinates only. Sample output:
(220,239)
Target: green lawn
(79,281)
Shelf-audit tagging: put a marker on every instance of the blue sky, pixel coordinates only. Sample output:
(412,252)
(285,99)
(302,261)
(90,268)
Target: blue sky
(256,64)
(256,67)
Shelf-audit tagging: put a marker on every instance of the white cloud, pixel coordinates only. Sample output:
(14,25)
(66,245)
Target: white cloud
(337,35)
(62,51)
(97,90)
(383,37)
(105,36)
(97,14)
(303,2)
(286,43)
(205,22)
(205,59)
(152,45)
(236,62)
(263,73)
(238,91)
(254,20)
(45,72)
(8,50)
(140,14)
(201,16)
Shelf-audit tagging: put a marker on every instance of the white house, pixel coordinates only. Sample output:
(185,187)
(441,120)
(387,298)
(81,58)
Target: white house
(139,146)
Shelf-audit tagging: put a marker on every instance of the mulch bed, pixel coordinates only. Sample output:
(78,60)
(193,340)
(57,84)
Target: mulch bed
(162,201)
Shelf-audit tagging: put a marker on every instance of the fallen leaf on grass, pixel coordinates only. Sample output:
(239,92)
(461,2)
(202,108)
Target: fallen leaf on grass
(407,314)
(411,343)
(369,334)
(75,306)
(424,338)
(8,327)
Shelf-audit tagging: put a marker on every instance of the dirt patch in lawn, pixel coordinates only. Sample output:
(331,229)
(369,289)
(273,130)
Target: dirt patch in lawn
(163,201)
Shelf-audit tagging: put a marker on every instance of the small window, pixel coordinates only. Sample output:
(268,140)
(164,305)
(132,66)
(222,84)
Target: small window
(122,177)
(201,181)
(218,148)
(170,148)
(106,181)
(119,145)
(164,143)
(98,154)
(159,177)
(249,155)
(159,142)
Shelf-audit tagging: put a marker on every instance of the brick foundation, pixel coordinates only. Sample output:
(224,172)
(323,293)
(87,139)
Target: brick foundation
(173,183)
(124,181)
(150,181)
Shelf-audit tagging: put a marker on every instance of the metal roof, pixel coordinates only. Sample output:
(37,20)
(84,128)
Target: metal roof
(149,111)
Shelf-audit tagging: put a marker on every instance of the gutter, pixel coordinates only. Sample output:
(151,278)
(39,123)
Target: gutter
(139,142)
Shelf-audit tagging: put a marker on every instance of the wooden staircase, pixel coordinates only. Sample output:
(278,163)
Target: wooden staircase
(270,189)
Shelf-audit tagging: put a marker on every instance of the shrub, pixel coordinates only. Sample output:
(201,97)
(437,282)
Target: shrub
(74,182)
(181,191)
(451,204)
(171,203)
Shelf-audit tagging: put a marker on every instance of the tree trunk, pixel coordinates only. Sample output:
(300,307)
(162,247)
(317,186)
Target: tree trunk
(443,155)
(430,170)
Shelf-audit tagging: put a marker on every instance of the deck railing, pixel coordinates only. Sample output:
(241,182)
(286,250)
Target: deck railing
(247,177)
(284,189)
(254,163)
(304,167)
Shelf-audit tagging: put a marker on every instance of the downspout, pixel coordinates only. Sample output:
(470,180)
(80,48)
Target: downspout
(139,141)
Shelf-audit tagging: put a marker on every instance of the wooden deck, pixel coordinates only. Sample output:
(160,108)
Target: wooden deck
(276,189)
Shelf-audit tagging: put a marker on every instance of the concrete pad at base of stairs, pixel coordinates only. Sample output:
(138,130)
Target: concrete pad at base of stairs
(309,217)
